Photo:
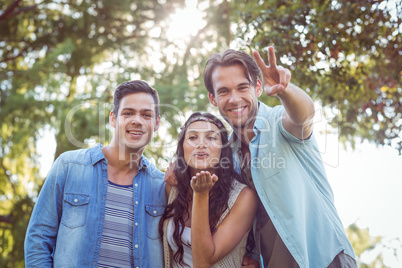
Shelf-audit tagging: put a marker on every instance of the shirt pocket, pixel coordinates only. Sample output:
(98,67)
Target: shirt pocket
(75,210)
(152,216)
(268,163)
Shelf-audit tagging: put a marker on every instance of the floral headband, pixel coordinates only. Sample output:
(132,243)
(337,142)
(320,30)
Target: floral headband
(201,118)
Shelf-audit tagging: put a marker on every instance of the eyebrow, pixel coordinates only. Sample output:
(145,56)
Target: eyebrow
(133,110)
(196,131)
(239,85)
(221,88)
(243,84)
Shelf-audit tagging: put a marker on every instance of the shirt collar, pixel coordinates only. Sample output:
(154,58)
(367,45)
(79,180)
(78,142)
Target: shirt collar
(144,163)
(97,155)
(261,118)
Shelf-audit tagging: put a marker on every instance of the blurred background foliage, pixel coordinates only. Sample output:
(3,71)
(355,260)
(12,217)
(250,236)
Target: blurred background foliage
(60,61)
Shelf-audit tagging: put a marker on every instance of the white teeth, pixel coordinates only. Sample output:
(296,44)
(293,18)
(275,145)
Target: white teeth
(237,109)
(136,133)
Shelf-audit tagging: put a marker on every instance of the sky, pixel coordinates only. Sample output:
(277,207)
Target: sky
(367,186)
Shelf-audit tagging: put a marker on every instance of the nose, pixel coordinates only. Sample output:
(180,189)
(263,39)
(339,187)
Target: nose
(234,96)
(136,120)
(201,146)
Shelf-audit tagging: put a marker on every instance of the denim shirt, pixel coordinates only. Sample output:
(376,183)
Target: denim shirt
(66,224)
(289,176)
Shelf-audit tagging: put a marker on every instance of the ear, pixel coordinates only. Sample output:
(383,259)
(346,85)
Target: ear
(158,120)
(112,119)
(212,100)
(258,88)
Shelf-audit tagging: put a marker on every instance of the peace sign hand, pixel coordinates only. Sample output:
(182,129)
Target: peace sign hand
(275,78)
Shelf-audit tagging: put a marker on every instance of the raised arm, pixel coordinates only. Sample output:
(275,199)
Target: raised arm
(299,107)
(207,249)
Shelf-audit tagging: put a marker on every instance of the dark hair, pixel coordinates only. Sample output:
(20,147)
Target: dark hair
(219,195)
(131,87)
(228,58)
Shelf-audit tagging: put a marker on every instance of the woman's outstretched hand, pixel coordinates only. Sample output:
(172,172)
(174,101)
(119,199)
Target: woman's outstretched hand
(203,182)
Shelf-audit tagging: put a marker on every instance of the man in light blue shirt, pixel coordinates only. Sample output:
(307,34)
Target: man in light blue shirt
(101,207)
(297,223)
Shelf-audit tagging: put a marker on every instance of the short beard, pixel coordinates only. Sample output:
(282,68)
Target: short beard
(249,122)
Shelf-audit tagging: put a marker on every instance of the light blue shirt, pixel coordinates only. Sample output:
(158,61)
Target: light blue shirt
(289,176)
(65,228)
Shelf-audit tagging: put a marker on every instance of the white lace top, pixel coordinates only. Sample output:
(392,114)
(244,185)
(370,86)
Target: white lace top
(232,260)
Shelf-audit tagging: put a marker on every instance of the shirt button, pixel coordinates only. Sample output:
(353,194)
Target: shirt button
(136,185)
(75,200)
(136,202)
(136,246)
(136,224)
(155,212)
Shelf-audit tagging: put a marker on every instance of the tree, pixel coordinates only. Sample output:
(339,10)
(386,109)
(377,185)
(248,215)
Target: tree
(59,63)
(363,243)
(347,54)
(45,48)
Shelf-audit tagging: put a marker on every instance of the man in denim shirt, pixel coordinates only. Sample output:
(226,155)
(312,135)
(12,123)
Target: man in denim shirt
(297,223)
(101,206)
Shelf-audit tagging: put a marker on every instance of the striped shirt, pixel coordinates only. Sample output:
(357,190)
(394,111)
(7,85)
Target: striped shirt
(116,248)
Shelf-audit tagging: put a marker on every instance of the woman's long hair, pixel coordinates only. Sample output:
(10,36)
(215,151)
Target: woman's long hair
(219,194)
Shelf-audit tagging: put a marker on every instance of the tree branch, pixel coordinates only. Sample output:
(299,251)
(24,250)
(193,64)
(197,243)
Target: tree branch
(192,41)
(23,9)
(6,219)
(12,11)
(9,10)
(15,56)
(196,37)
(8,177)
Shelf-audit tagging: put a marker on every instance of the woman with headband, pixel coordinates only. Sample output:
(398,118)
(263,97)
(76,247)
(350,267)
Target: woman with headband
(209,212)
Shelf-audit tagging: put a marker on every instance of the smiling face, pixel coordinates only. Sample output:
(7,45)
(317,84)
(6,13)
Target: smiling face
(135,121)
(202,146)
(234,96)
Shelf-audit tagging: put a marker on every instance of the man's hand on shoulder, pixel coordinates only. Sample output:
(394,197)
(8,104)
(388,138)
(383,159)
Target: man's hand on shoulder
(170,178)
